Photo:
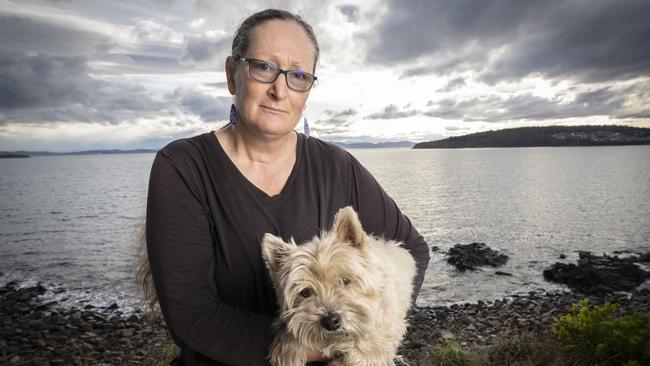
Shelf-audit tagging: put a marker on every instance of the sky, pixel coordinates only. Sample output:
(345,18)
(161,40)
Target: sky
(123,74)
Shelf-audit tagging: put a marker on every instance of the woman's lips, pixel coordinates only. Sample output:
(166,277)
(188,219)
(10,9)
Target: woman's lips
(273,110)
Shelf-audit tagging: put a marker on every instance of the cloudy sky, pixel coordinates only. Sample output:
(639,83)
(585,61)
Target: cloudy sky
(123,74)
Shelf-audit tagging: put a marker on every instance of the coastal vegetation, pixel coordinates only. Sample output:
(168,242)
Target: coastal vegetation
(585,336)
(546,136)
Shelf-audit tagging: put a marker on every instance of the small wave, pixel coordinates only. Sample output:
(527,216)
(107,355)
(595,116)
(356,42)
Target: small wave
(127,217)
(99,300)
(116,300)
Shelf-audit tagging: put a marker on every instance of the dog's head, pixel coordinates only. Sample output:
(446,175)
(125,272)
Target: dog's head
(328,287)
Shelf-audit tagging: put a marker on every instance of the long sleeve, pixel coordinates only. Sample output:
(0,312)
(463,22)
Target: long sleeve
(181,253)
(380,215)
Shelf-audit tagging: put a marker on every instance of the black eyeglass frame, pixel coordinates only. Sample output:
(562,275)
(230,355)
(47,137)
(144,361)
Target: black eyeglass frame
(277,73)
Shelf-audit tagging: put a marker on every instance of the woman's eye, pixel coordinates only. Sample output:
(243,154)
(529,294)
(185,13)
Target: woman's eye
(263,66)
(306,292)
(299,75)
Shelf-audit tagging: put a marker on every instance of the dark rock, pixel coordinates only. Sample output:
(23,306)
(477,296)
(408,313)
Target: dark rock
(470,256)
(499,273)
(113,306)
(598,274)
(562,256)
(435,248)
(644,258)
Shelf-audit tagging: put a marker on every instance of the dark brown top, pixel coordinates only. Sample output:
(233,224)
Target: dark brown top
(205,222)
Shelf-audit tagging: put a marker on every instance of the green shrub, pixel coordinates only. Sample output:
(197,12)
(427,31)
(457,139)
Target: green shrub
(526,349)
(595,336)
(170,351)
(451,354)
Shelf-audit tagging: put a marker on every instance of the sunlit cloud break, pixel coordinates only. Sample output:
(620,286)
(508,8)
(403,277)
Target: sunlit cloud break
(89,74)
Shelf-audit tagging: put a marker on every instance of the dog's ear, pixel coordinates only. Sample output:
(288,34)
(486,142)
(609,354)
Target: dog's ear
(347,228)
(274,249)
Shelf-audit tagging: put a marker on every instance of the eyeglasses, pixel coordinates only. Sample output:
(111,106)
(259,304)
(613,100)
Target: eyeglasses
(267,72)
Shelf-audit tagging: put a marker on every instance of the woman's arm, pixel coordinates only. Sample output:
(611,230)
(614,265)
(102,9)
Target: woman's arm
(181,255)
(380,215)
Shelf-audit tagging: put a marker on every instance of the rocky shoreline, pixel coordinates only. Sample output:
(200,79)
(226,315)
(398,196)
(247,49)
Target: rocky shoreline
(35,333)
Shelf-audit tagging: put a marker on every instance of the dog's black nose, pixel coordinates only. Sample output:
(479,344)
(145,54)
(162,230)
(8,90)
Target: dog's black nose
(331,321)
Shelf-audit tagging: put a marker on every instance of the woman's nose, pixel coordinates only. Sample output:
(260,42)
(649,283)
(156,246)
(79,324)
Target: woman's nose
(279,89)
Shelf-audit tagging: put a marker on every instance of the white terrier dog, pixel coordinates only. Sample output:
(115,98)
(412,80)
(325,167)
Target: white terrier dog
(344,294)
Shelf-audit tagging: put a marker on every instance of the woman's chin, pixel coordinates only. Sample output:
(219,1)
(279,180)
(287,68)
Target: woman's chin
(275,128)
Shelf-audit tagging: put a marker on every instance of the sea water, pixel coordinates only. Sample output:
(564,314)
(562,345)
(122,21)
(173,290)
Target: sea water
(72,222)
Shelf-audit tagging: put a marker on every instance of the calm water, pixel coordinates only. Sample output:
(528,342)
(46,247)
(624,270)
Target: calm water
(72,221)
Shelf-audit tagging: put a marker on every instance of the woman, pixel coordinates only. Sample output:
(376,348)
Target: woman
(213,196)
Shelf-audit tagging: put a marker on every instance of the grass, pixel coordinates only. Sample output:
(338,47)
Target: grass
(586,336)
(170,352)
(526,349)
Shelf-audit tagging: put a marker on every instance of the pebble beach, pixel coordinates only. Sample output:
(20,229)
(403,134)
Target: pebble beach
(33,332)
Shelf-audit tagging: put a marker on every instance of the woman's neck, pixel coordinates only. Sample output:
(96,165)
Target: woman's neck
(243,145)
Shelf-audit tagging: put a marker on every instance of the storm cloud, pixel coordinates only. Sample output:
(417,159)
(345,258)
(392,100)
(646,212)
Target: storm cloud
(206,49)
(507,39)
(44,88)
(333,123)
(526,106)
(351,12)
(393,112)
(209,108)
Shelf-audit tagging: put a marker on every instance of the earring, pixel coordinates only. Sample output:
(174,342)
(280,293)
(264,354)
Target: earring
(305,127)
(233,115)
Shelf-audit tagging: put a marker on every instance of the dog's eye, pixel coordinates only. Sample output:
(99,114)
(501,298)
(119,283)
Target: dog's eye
(306,292)
(345,281)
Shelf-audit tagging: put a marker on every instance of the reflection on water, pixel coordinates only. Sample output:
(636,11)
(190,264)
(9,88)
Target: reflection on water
(73,220)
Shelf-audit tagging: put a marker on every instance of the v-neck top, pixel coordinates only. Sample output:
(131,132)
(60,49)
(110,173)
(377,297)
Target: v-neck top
(205,223)
(263,195)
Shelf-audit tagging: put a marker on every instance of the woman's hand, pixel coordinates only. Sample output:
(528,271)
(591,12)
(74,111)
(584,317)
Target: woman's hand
(314,356)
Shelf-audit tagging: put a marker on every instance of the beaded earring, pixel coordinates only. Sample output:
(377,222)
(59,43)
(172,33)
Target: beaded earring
(233,115)
(306,127)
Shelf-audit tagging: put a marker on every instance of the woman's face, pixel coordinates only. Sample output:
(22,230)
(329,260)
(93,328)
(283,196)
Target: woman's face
(272,109)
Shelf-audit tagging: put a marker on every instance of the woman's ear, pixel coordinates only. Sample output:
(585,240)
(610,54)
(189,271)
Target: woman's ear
(230,75)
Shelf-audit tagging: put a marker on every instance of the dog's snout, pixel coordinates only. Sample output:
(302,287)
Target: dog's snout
(331,321)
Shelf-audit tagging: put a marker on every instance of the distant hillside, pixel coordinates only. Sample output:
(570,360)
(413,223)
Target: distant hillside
(546,136)
(373,145)
(26,154)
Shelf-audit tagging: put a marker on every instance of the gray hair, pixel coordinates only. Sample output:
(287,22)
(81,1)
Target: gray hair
(241,41)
